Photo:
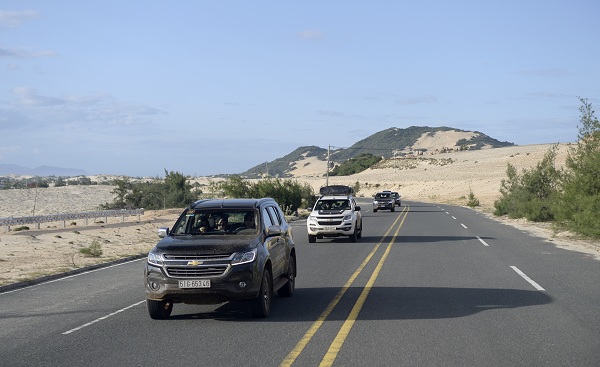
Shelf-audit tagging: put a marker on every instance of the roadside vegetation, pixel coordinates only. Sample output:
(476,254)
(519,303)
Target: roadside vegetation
(569,197)
(175,191)
(355,165)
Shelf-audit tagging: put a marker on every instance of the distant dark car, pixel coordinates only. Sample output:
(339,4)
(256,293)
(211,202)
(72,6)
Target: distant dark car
(384,200)
(219,251)
(397,198)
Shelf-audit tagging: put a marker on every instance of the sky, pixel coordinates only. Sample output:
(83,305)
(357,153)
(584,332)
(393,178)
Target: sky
(209,87)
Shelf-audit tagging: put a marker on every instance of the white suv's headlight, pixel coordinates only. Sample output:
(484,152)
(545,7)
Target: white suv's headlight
(348,218)
(155,259)
(243,257)
(312,219)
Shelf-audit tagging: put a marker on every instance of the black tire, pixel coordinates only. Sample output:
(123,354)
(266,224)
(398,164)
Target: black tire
(359,234)
(159,310)
(312,238)
(260,307)
(393,208)
(288,289)
(354,236)
(374,210)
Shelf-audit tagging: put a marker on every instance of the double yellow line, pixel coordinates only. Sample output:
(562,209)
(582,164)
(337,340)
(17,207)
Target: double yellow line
(337,343)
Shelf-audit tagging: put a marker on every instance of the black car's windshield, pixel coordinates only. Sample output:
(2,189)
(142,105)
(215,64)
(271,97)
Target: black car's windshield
(216,222)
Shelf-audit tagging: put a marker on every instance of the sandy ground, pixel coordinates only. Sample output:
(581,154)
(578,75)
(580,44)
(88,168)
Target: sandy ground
(440,178)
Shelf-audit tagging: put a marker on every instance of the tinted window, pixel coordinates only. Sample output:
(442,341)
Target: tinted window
(266,218)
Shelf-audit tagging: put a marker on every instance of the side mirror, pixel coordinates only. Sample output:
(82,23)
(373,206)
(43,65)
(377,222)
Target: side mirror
(357,208)
(274,231)
(163,232)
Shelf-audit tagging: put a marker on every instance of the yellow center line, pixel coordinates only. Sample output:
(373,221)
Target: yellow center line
(294,353)
(337,343)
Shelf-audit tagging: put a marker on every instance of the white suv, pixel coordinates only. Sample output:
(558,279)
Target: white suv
(335,214)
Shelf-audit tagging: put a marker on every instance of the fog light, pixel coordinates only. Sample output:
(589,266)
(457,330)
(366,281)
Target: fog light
(154,286)
(242,285)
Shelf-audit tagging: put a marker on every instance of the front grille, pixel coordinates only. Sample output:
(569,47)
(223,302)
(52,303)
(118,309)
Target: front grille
(196,266)
(196,271)
(330,221)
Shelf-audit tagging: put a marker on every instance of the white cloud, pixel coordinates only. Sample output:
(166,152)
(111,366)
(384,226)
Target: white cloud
(30,97)
(14,18)
(21,53)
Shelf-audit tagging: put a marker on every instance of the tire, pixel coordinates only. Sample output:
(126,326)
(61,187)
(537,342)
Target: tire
(159,310)
(260,307)
(374,210)
(354,236)
(288,289)
(393,208)
(312,239)
(359,234)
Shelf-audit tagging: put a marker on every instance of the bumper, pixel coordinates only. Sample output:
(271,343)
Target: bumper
(240,282)
(377,206)
(330,231)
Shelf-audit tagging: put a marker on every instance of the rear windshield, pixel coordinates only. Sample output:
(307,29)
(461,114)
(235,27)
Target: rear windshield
(216,222)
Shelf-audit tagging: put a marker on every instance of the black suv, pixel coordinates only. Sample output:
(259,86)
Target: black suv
(219,251)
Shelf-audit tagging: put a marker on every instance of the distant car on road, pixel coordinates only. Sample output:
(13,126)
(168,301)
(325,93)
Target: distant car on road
(397,198)
(384,200)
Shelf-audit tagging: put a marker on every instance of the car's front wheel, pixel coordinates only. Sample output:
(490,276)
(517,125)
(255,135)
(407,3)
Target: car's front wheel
(260,307)
(312,238)
(159,310)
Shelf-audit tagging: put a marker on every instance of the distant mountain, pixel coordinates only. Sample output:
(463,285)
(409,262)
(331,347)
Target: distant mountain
(281,167)
(385,143)
(42,171)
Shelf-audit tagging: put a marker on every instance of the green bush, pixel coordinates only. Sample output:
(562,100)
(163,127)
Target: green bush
(472,200)
(532,194)
(579,206)
(93,250)
(355,165)
(290,194)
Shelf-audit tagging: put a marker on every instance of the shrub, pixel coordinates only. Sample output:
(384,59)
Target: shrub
(472,200)
(579,206)
(93,250)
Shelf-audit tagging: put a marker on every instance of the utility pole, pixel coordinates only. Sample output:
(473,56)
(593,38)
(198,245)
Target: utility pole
(327,175)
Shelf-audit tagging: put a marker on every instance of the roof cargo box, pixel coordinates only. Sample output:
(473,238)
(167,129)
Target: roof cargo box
(335,190)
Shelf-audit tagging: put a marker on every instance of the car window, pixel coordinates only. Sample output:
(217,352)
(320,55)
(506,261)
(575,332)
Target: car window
(274,216)
(212,222)
(266,217)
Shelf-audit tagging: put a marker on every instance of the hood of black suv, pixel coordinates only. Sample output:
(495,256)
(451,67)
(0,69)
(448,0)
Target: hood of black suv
(205,244)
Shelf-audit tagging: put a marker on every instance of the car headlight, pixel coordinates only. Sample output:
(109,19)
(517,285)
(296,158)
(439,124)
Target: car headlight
(312,219)
(155,259)
(348,218)
(243,257)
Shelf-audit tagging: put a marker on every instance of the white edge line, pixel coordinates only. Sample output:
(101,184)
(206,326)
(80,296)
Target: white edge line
(482,241)
(524,276)
(72,276)
(102,318)
(465,227)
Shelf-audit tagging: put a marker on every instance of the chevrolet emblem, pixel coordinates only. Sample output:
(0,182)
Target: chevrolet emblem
(195,263)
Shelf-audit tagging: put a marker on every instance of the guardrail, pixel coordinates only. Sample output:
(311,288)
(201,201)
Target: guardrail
(37,220)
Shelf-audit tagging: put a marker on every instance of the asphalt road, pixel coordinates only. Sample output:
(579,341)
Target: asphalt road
(427,285)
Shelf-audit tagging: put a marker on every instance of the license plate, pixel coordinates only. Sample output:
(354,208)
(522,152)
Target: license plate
(329,228)
(198,283)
